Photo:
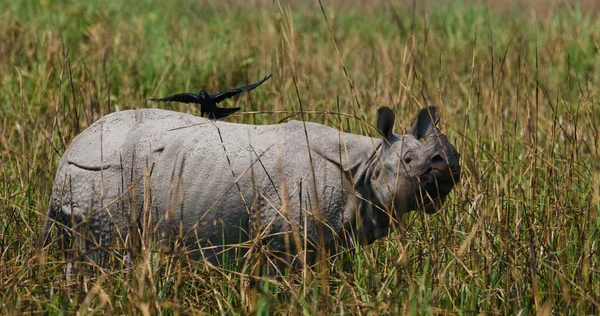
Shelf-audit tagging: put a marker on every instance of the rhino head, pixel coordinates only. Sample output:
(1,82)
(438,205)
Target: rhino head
(415,171)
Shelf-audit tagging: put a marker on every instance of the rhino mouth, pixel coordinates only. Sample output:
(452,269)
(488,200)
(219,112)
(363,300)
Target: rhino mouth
(446,174)
(435,185)
(441,175)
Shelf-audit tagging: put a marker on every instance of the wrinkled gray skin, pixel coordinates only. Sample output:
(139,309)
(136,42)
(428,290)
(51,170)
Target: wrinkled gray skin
(215,183)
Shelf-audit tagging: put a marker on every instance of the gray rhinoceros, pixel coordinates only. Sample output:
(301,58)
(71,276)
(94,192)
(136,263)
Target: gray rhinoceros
(209,184)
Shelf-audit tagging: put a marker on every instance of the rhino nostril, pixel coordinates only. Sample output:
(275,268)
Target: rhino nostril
(437,158)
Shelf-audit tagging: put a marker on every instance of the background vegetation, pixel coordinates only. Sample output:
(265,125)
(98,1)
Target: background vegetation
(516,82)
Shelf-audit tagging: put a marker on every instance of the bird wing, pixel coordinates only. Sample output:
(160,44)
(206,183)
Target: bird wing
(181,97)
(233,92)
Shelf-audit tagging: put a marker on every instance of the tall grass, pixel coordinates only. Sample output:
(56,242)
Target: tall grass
(517,87)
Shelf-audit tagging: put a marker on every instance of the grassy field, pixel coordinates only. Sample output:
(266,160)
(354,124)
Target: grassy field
(516,84)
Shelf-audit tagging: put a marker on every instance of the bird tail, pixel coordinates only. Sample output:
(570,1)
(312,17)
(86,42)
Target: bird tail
(223,112)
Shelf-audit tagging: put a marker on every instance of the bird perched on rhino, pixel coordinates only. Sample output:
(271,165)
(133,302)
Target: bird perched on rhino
(208,102)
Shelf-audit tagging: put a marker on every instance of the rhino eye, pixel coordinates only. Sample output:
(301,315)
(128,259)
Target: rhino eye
(407,159)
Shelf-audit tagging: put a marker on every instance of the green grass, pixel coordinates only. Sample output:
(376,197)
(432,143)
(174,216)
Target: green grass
(517,87)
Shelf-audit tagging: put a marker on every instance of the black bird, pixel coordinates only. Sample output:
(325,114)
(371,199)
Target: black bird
(208,102)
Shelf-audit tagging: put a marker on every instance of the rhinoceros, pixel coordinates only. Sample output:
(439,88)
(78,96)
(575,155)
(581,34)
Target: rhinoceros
(218,187)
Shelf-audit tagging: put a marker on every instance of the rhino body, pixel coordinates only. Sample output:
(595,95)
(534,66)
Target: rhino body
(211,184)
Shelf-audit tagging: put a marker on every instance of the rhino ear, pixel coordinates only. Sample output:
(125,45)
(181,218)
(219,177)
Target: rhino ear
(424,123)
(385,121)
